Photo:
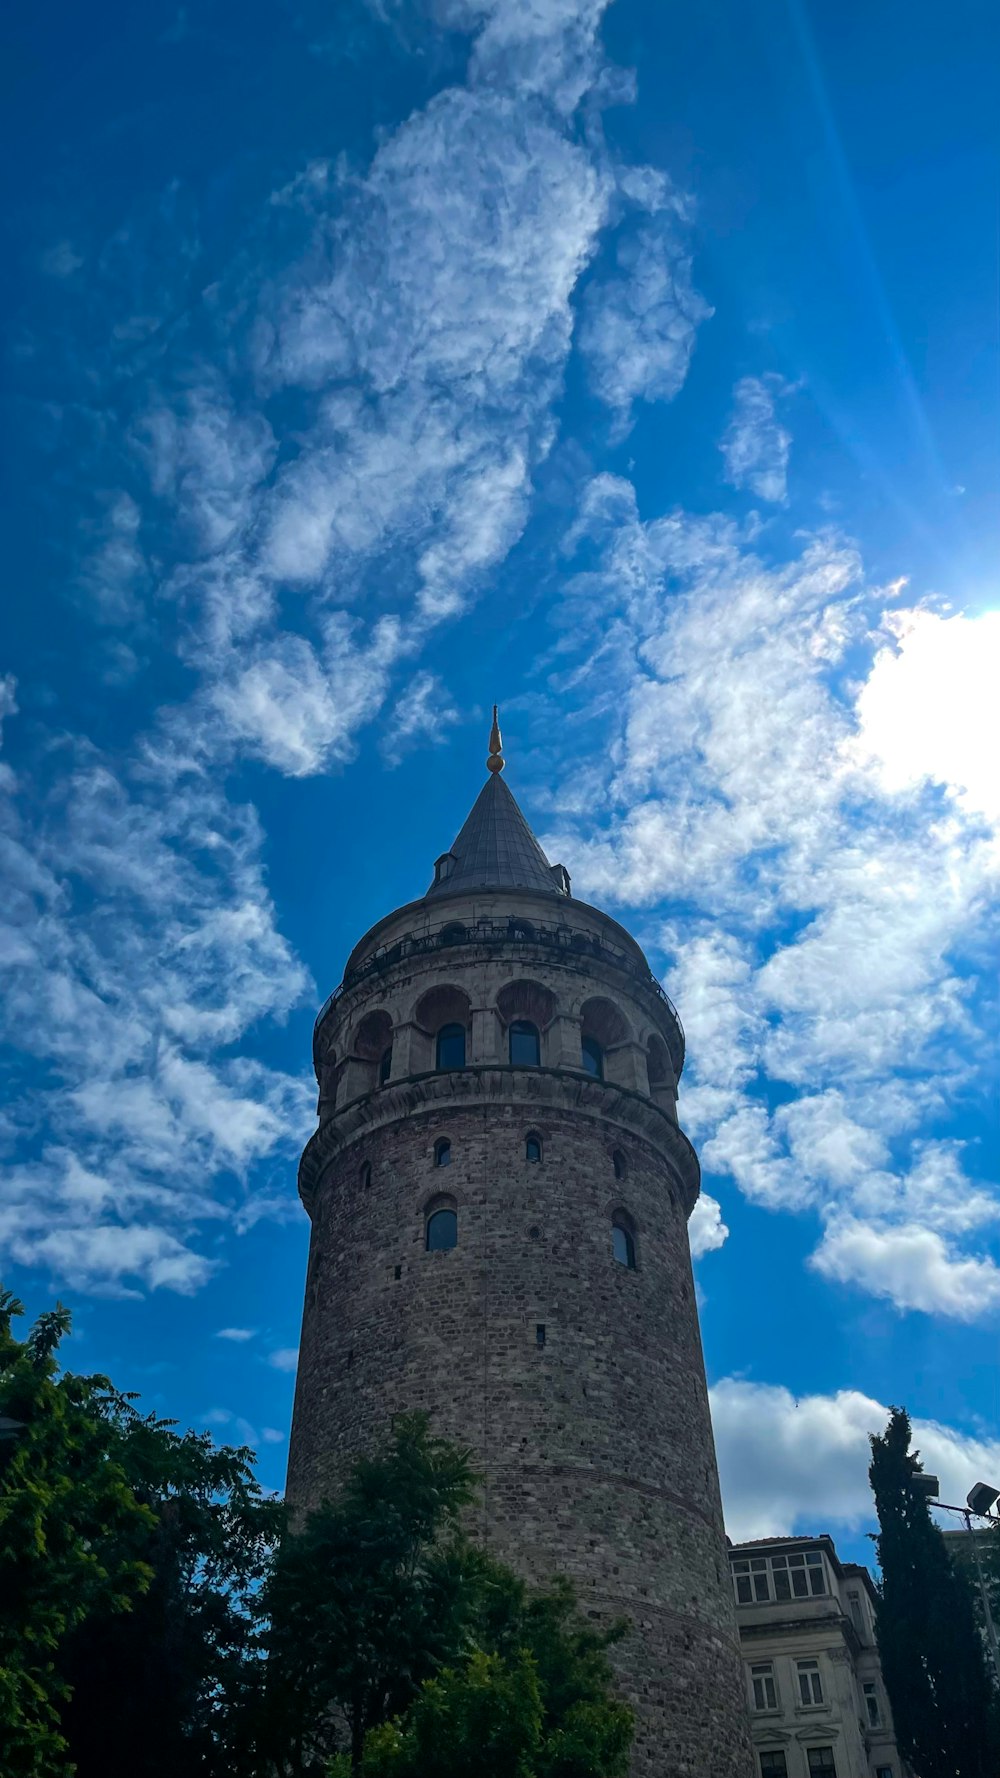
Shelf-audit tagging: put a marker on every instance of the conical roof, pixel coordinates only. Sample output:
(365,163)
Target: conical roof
(496,849)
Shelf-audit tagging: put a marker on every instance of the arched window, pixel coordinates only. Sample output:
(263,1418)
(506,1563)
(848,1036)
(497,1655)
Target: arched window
(525,1048)
(623,1243)
(442,1152)
(385,1066)
(533,1148)
(592,1057)
(619,1163)
(450,1051)
(441,1229)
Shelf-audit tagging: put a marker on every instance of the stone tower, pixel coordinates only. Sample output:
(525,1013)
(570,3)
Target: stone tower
(499,1194)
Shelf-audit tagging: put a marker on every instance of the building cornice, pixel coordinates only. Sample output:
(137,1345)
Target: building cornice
(489,1084)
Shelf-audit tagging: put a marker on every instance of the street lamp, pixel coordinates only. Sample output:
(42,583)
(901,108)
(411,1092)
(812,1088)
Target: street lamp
(979,1500)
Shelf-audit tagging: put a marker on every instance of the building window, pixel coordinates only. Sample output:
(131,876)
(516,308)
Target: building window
(442,1152)
(857,1616)
(533,1148)
(385,1066)
(798,1576)
(441,1230)
(810,1688)
(619,1163)
(592,1057)
(821,1763)
(884,1772)
(623,1243)
(871,1706)
(525,1045)
(772,1764)
(450,1051)
(765,1696)
(366,1175)
(752,1586)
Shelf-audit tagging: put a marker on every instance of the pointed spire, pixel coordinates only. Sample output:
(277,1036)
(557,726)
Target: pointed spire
(496,848)
(496,761)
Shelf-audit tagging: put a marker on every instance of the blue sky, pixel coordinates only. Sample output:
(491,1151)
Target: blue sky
(636,366)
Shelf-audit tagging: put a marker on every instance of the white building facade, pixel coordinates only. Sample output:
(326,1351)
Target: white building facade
(814,1683)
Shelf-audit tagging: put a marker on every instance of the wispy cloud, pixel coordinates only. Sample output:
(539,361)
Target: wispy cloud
(832,894)
(755,446)
(641,320)
(139,943)
(284,1358)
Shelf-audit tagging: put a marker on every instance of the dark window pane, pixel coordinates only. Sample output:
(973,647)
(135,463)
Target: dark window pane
(816,1580)
(782,1590)
(442,1231)
(525,1050)
(760,1587)
(821,1761)
(800,1585)
(532,1149)
(451,1046)
(442,1153)
(623,1247)
(772,1765)
(385,1066)
(743,1592)
(592,1057)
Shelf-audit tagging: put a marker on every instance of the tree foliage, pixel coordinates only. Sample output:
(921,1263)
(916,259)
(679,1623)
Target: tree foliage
(933,1657)
(391,1634)
(158,1614)
(184,1664)
(72,1534)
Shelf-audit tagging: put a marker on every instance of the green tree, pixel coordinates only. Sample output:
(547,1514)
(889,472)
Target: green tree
(933,1659)
(375,1593)
(180,1672)
(71,1534)
(390,1634)
(536,1703)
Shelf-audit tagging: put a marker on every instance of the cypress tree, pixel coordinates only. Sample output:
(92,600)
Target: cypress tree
(933,1660)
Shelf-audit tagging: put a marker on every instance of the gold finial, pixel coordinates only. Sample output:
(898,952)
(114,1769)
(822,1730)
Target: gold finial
(496,761)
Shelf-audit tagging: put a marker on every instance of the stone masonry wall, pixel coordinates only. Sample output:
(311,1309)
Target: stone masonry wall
(577,1384)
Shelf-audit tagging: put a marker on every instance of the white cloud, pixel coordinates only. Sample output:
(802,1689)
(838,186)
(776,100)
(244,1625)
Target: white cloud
(833,923)
(272,1435)
(706,1229)
(423,715)
(640,324)
(755,446)
(912,1266)
(138,937)
(207,459)
(802,1464)
(284,1358)
(237,1334)
(929,711)
(298,709)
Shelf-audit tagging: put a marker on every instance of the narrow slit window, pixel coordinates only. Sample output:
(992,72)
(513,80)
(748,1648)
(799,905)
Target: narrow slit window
(385,1066)
(442,1152)
(592,1057)
(619,1163)
(533,1148)
(366,1174)
(623,1244)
